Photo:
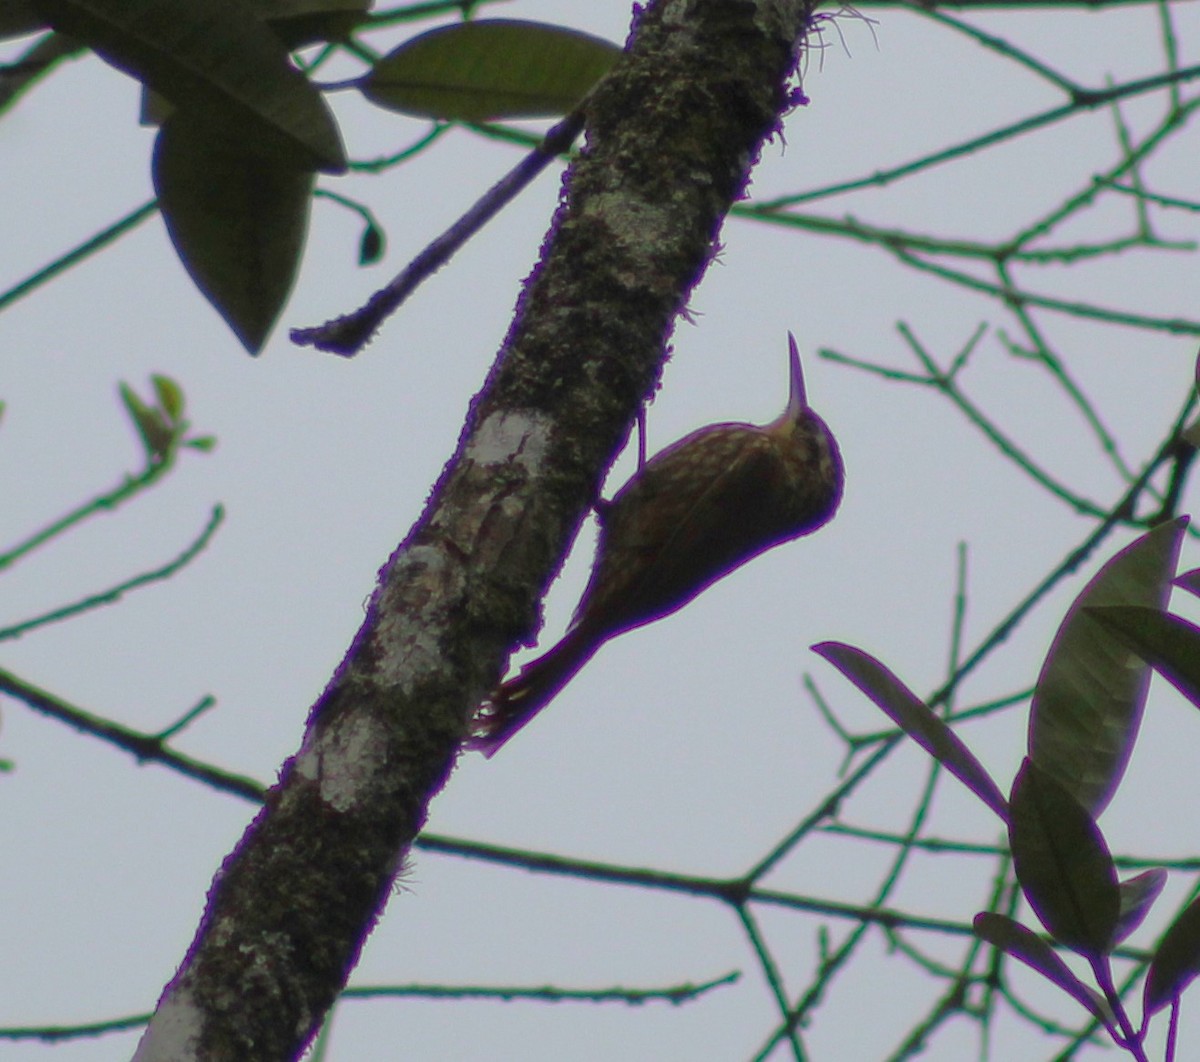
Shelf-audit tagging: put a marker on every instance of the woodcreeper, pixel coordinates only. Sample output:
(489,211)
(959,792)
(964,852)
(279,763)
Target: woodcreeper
(692,514)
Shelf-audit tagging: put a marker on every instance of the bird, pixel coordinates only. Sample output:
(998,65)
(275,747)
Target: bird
(689,516)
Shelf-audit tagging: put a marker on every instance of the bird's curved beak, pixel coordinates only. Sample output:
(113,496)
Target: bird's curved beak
(797,398)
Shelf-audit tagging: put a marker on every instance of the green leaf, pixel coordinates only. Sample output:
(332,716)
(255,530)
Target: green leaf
(1176,960)
(154,109)
(237,219)
(1062,863)
(1137,895)
(216,59)
(1023,944)
(491,68)
(1088,702)
(370,247)
(916,719)
(19,17)
(170,396)
(1166,642)
(301,22)
(156,434)
(204,443)
(295,22)
(1190,581)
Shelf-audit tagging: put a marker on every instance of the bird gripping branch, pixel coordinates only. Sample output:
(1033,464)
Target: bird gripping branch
(692,514)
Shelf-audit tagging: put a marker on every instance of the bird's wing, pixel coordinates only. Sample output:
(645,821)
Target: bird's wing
(679,527)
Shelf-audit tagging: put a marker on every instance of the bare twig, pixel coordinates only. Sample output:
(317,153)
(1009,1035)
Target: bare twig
(348,334)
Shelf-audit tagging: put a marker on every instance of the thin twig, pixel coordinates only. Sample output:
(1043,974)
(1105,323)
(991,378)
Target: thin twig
(674,994)
(143,746)
(774,980)
(348,334)
(89,247)
(114,593)
(1086,99)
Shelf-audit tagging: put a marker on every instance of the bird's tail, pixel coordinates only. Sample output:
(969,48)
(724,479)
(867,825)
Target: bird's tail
(513,703)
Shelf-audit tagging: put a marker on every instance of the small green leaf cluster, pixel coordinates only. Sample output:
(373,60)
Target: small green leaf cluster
(162,426)
(1084,720)
(163,430)
(244,131)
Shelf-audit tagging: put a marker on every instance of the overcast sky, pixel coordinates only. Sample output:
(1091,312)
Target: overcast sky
(687,746)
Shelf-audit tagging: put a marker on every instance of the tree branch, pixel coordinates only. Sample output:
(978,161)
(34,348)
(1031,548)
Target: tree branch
(672,135)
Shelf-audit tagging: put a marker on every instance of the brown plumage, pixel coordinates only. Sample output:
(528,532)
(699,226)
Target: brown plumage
(692,514)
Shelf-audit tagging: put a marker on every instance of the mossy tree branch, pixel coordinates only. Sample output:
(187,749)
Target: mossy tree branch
(671,138)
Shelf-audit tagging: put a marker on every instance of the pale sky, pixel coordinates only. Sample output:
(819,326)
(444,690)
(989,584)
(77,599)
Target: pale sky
(687,746)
